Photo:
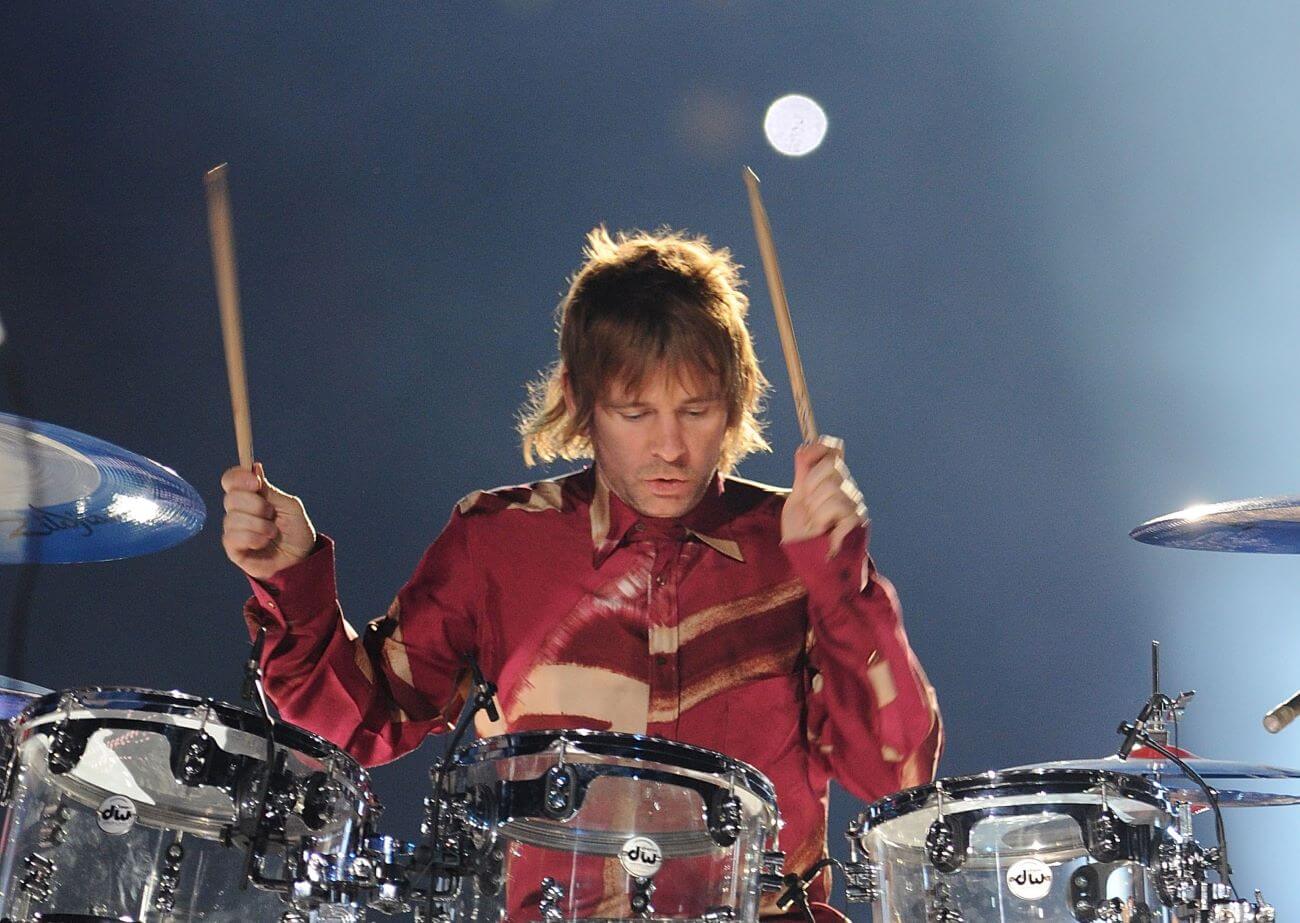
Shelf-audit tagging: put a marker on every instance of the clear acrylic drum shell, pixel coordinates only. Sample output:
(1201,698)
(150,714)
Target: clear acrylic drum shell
(128,746)
(1027,817)
(639,787)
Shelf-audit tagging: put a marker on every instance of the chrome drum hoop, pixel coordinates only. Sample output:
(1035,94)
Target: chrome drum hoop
(611,743)
(133,803)
(1015,846)
(598,825)
(995,784)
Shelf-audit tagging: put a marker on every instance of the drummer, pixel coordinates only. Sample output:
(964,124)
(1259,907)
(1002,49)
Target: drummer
(651,592)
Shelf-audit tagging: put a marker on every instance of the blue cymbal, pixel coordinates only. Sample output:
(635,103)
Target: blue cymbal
(66,497)
(1263,525)
(15,695)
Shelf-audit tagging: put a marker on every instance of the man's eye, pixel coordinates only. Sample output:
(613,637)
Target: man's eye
(632,416)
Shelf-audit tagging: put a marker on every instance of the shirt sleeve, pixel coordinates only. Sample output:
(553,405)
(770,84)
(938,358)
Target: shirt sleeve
(377,694)
(873,717)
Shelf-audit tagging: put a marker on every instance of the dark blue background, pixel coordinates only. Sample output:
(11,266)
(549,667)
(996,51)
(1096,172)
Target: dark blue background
(1044,273)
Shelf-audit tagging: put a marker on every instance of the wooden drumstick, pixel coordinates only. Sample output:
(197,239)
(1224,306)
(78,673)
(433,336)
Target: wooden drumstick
(771,269)
(223,265)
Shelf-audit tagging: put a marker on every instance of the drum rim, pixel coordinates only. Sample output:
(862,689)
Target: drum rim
(139,698)
(617,743)
(1001,783)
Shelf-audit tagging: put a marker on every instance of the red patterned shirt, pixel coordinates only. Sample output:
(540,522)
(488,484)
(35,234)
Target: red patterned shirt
(705,630)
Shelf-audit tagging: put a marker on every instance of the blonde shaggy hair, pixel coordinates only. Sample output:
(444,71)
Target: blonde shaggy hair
(642,300)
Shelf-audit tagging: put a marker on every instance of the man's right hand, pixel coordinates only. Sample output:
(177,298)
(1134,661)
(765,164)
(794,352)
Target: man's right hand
(265,530)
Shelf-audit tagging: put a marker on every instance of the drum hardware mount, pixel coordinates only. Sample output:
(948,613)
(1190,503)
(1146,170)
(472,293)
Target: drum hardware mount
(38,872)
(320,794)
(771,869)
(67,745)
(1089,904)
(1136,731)
(640,900)
(388,864)
(1182,869)
(443,859)
(254,692)
(724,817)
(169,874)
(1102,831)
(940,907)
(945,842)
(861,875)
(53,829)
(796,885)
(562,795)
(552,894)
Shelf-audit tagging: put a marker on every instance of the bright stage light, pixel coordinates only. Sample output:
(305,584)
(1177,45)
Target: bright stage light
(795,125)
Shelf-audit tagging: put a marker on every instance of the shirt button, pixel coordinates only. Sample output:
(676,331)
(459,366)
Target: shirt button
(660,580)
(661,659)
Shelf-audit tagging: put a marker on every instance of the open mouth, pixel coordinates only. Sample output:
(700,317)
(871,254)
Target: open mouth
(666,486)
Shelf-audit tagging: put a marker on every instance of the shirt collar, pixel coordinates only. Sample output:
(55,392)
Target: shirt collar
(612,521)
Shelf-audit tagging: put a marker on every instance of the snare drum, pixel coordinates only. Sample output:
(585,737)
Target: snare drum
(1064,846)
(589,825)
(123,804)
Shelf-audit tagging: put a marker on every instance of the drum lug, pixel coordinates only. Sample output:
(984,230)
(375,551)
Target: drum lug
(724,817)
(940,906)
(1104,840)
(67,746)
(771,876)
(549,905)
(53,827)
(560,798)
(942,846)
(195,752)
(38,872)
(320,795)
(640,899)
(164,899)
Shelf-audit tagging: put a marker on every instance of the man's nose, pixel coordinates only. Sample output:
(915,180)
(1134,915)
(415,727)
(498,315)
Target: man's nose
(669,443)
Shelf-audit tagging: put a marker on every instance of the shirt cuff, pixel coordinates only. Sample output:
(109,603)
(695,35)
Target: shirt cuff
(299,592)
(846,574)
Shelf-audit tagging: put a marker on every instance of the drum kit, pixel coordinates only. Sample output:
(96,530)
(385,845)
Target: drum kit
(139,805)
(126,804)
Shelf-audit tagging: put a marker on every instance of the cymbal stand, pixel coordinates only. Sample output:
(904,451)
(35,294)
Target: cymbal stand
(1183,862)
(441,837)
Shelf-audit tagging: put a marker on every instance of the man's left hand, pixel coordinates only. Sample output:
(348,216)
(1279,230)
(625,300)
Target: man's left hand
(824,499)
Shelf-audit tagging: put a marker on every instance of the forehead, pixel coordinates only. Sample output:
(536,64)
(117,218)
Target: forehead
(663,382)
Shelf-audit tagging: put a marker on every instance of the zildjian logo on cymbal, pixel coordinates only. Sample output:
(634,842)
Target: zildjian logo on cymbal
(41,522)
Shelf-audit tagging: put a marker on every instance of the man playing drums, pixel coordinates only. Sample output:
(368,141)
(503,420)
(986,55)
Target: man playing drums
(649,593)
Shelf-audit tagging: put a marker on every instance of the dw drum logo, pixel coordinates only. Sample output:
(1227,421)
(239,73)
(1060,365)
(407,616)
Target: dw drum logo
(641,857)
(116,815)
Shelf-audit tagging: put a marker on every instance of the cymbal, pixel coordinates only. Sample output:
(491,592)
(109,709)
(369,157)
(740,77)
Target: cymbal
(1180,787)
(67,497)
(15,695)
(1260,525)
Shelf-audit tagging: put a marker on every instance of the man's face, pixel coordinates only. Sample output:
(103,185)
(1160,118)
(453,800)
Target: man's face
(659,447)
